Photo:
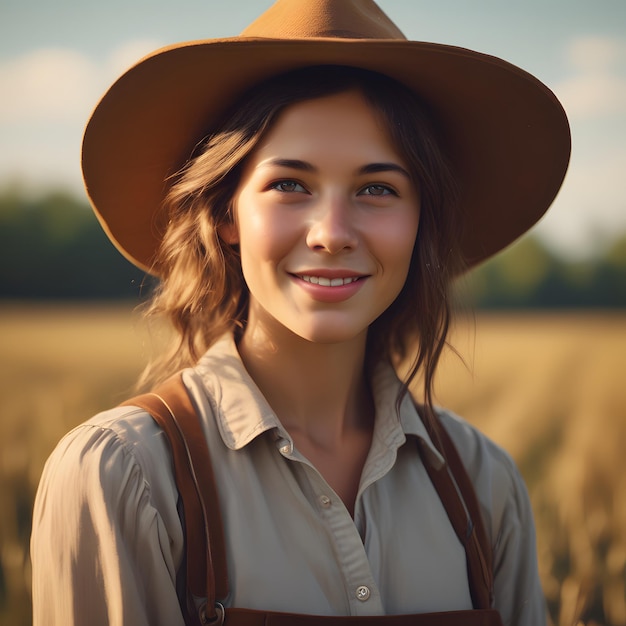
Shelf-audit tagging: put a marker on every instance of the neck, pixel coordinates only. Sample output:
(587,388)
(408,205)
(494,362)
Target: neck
(317,390)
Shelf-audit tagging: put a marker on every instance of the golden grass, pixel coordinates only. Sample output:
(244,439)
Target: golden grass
(549,388)
(58,366)
(552,390)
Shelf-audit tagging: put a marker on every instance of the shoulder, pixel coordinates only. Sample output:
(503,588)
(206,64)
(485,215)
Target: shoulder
(127,432)
(498,483)
(117,453)
(478,452)
(106,529)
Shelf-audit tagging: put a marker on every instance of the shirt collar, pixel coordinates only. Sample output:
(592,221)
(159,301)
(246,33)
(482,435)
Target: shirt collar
(395,423)
(242,412)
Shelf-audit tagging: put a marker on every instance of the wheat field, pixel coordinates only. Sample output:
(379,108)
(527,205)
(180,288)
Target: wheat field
(550,388)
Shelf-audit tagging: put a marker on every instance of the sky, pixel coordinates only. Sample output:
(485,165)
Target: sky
(58,58)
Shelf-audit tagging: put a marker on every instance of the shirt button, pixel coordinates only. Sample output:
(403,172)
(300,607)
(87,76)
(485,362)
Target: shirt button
(325,501)
(362,593)
(284,446)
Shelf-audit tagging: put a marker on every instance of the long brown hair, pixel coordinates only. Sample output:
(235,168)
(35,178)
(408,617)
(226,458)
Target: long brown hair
(203,292)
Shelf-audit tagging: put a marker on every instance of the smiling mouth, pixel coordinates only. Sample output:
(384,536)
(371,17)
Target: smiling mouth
(328,282)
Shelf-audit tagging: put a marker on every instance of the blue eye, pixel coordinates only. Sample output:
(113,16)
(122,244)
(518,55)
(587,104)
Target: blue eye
(288,186)
(377,190)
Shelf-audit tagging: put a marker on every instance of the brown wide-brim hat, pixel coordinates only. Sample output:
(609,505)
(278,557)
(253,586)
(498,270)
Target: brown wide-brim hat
(507,135)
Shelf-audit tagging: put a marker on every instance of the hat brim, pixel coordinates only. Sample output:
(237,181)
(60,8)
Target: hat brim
(506,133)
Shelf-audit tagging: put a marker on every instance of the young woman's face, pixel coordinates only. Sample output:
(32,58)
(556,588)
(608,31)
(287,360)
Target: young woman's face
(326,217)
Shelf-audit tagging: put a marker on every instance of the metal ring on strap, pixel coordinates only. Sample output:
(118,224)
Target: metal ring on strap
(218,620)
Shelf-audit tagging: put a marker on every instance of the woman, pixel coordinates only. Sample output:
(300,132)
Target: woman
(306,202)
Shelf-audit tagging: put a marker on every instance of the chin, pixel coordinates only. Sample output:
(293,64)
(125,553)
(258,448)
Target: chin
(330,333)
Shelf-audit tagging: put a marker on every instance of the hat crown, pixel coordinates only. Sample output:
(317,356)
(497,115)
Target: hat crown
(303,19)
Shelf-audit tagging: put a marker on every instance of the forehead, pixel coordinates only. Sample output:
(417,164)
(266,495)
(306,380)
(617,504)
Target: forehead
(343,123)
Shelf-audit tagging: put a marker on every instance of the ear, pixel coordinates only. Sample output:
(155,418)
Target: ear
(229,233)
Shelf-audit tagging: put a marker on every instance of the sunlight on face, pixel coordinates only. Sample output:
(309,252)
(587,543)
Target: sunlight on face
(326,218)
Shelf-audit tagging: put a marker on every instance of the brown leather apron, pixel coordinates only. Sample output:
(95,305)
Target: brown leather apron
(206,573)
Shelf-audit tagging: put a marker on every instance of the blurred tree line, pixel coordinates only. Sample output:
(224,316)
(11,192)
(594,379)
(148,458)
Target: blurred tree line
(52,247)
(529,275)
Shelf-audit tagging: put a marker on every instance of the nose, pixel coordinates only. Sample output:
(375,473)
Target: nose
(332,228)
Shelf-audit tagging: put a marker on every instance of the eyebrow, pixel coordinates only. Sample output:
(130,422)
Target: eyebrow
(375,168)
(293,164)
(370,168)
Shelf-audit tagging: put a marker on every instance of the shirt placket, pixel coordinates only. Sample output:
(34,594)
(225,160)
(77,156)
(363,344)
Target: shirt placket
(361,588)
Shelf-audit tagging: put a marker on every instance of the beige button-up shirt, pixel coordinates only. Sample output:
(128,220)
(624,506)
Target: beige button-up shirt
(107,538)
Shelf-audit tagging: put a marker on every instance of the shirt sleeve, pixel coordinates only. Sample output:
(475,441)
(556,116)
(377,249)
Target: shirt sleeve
(101,551)
(517,588)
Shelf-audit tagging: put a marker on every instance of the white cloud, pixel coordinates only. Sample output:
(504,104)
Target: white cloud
(595,53)
(50,84)
(590,209)
(58,85)
(126,55)
(598,84)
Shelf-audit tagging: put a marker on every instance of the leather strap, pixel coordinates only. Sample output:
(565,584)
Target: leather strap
(207,576)
(248,617)
(464,513)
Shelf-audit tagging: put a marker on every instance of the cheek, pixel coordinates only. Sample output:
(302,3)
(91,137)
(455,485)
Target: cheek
(264,238)
(396,241)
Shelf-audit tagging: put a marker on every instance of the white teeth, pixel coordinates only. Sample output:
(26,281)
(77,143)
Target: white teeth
(327,282)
